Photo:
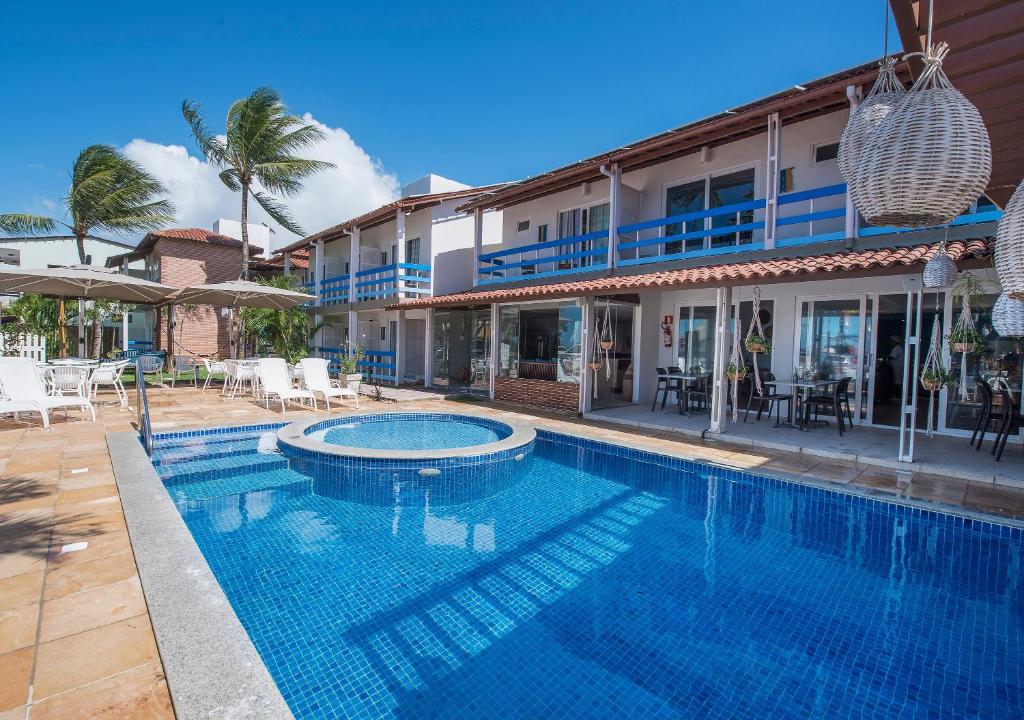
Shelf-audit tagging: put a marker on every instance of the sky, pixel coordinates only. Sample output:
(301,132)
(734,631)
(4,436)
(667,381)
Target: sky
(480,92)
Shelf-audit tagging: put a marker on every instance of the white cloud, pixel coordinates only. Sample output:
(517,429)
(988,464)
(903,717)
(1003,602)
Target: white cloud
(356,184)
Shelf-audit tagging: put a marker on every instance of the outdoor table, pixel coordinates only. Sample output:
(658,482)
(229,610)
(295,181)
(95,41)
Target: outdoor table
(685,379)
(801,390)
(75,361)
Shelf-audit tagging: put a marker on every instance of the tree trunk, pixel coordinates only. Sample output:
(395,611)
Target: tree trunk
(80,242)
(245,231)
(97,335)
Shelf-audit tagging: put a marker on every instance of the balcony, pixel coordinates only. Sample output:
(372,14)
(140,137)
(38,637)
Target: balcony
(804,217)
(334,290)
(395,281)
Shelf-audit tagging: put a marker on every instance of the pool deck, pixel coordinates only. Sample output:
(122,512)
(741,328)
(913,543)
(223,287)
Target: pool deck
(75,633)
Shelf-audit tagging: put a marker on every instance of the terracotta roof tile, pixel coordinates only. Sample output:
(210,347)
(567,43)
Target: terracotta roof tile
(749,271)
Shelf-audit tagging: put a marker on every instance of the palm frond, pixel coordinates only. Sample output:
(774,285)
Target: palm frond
(209,144)
(284,174)
(25,224)
(230,178)
(278,212)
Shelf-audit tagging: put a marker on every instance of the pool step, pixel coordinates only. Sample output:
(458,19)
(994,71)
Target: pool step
(200,441)
(235,446)
(224,467)
(218,487)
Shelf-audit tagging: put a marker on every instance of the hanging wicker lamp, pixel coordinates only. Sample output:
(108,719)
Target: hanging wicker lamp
(940,270)
(1008,316)
(885,94)
(928,159)
(1010,244)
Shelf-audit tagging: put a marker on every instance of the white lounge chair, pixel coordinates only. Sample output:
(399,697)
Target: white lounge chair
(273,378)
(109,374)
(21,383)
(316,380)
(8,406)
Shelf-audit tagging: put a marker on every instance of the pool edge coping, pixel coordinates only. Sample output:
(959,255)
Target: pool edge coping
(210,663)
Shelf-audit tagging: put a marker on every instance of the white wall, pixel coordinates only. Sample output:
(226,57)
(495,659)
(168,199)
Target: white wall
(259,234)
(430,183)
(42,253)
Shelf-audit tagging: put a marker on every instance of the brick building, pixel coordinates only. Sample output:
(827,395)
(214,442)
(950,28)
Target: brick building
(191,256)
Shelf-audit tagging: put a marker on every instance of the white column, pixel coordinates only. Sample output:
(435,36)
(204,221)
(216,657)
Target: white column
(400,348)
(588,338)
(638,325)
(353,268)
(478,243)
(399,257)
(82,349)
(853,94)
(318,278)
(771,180)
(495,350)
(428,349)
(723,342)
(124,330)
(614,215)
(911,368)
(287,263)
(354,340)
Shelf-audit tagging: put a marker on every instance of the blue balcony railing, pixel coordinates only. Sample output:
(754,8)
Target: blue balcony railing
(804,217)
(375,365)
(334,290)
(398,280)
(580,253)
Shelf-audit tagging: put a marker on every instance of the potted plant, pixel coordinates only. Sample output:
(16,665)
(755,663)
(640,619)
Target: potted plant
(965,339)
(757,343)
(348,366)
(735,371)
(934,379)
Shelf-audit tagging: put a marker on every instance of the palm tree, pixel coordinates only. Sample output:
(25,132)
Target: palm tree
(108,192)
(258,150)
(285,333)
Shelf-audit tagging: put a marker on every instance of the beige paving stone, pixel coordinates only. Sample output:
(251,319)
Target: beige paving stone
(21,589)
(833,471)
(18,563)
(93,608)
(15,676)
(99,545)
(92,655)
(15,714)
(139,694)
(90,574)
(18,627)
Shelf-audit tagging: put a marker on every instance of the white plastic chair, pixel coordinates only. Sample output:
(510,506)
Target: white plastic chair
(21,383)
(214,367)
(69,380)
(184,365)
(109,374)
(238,373)
(316,380)
(273,379)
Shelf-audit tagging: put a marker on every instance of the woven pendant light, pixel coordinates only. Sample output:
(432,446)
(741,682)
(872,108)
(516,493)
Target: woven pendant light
(885,94)
(929,159)
(1008,316)
(940,270)
(1010,244)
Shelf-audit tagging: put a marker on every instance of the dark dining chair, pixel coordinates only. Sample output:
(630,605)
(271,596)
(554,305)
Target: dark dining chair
(766,396)
(838,403)
(1001,416)
(665,386)
(697,392)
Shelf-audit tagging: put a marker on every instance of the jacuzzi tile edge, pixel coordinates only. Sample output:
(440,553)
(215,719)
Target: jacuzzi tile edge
(211,665)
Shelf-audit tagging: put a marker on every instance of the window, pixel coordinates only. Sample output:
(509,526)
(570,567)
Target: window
(10,256)
(581,221)
(383,257)
(412,251)
(542,233)
(541,341)
(826,152)
(523,226)
(711,192)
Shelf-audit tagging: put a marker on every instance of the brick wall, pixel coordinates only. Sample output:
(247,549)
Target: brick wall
(202,331)
(562,397)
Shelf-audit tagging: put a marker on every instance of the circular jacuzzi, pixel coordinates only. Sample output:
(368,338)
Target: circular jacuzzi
(409,458)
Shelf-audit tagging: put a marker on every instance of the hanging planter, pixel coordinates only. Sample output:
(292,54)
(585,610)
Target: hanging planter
(885,94)
(735,371)
(934,379)
(965,338)
(940,271)
(1010,244)
(934,375)
(1008,316)
(757,343)
(928,159)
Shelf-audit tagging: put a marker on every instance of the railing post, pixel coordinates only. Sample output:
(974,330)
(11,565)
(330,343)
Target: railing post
(318,280)
(399,257)
(428,349)
(771,195)
(852,221)
(353,266)
(478,243)
(614,212)
(723,341)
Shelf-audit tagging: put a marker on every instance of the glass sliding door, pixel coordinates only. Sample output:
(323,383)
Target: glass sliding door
(614,381)
(581,221)
(726,190)
(831,341)
(697,339)
(686,198)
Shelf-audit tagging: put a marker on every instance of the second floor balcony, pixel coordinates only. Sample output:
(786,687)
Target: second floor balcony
(391,282)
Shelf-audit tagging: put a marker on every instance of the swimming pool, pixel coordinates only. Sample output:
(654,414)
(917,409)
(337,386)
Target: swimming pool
(605,582)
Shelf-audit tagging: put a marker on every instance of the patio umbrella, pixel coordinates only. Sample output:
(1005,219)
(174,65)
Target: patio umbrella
(86,282)
(241,293)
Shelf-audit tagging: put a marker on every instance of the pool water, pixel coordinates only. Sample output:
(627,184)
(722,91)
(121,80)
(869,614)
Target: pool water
(607,584)
(437,432)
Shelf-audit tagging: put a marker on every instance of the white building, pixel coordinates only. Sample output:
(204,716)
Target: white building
(44,251)
(260,235)
(414,247)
